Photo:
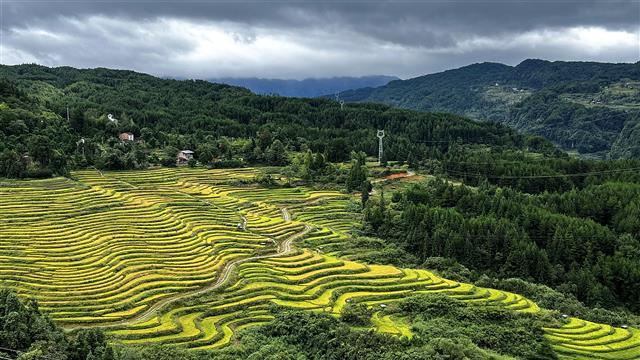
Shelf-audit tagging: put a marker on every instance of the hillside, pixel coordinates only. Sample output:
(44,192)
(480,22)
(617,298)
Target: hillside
(306,87)
(281,238)
(587,107)
(185,275)
(225,125)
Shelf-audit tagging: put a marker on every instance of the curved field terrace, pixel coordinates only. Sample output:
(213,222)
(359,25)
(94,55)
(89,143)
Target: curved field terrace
(189,256)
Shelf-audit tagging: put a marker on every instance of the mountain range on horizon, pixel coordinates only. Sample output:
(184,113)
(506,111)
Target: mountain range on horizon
(309,87)
(588,107)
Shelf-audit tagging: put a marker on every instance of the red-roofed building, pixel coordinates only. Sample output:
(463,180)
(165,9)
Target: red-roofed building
(126,136)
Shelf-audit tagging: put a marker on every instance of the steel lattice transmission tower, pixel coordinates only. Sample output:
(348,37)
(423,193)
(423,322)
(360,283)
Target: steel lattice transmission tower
(341,102)
(380,135)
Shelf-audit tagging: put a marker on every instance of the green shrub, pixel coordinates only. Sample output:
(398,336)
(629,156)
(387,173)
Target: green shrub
(356,314)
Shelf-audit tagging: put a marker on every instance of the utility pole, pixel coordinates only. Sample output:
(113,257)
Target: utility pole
(380,135)
(67,114)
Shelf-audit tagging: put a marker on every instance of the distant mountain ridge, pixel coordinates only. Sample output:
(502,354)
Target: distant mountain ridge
(589,107)
(311,87)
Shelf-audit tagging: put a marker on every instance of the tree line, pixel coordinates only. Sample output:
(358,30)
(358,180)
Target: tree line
(583,242)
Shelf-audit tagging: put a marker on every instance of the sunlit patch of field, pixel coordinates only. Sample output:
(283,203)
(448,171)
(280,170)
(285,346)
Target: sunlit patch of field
(580,339)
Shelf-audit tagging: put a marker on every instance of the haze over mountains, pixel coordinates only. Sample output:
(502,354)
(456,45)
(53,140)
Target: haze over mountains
(589,107)
(310,87)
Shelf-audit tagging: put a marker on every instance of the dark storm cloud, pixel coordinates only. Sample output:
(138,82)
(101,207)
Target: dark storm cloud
(405,37)
(398,21)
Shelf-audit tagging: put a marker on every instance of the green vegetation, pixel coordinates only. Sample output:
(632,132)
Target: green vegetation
(27,334)
(436,316)
(584,241)
(589,107)
(150,283)
(356,314)
(477,255)
(530,172)
(226,126)
(291,334)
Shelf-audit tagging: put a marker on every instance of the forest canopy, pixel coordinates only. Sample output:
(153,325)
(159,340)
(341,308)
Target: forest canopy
(55,119)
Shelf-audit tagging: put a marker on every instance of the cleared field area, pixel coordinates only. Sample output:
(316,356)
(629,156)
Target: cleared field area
(190,256)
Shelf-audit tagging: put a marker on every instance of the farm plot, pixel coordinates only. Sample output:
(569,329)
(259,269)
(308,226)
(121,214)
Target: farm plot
(300,279)
(103,249)
(188,257)
(579,339)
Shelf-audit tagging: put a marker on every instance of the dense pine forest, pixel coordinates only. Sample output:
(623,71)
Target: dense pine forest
(583,242)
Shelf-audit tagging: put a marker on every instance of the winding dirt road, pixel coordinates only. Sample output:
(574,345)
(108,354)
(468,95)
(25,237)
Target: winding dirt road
(284,248)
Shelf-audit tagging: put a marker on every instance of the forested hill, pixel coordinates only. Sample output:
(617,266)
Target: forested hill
(588,107)
(224,125)
(306,87)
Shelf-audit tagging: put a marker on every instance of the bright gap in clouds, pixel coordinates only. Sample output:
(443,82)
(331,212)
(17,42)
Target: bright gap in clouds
(576,40)
(593,40)
(205,49)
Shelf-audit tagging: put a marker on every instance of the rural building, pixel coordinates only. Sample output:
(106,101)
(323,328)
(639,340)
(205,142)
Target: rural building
(27,160)
(126,136)
(184,156)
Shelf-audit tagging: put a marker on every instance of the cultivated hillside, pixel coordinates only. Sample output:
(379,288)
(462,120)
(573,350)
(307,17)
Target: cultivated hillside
(478,255)
(588,107)
(185,275)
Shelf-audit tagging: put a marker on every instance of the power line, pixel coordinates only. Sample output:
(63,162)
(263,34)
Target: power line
(462,141)
(432,141)
(7,356)
(604,172)
(551,161)
(626,148)
(10,350)
(500,161)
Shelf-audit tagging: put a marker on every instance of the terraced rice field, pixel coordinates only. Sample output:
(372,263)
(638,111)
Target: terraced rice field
(580,339)
(189,257)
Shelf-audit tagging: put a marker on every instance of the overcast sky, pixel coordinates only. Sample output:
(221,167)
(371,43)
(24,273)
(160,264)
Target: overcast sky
(299,39)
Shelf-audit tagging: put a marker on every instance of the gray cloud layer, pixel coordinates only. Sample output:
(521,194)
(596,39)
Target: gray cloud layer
(296,39)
